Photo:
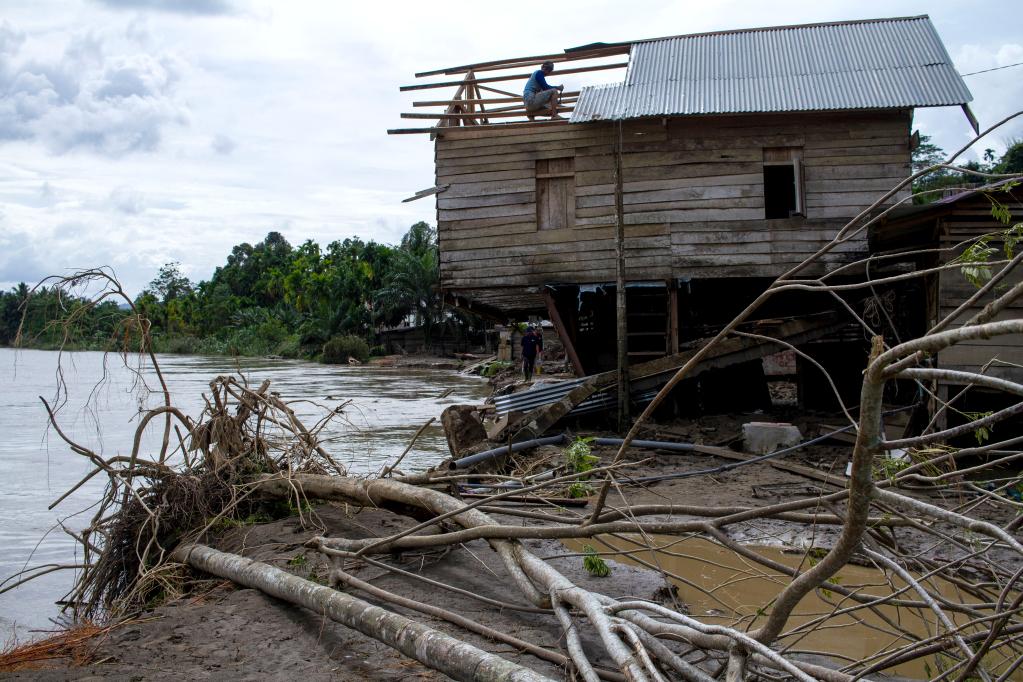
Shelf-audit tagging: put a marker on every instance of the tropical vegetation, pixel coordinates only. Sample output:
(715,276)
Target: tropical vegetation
(936,184)
(267,298)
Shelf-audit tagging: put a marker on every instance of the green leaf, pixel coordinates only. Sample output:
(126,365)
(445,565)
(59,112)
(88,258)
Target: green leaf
(593,564)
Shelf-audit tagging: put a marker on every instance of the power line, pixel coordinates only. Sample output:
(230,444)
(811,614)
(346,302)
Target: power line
(997,68)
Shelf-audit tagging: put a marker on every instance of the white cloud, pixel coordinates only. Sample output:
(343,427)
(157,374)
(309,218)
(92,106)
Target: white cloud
(222,144)
(113,105)
(128,201)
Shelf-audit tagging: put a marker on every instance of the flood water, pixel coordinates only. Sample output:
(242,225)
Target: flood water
(101,412)
(723,588)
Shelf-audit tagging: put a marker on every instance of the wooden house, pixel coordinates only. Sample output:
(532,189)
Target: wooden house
(728,157)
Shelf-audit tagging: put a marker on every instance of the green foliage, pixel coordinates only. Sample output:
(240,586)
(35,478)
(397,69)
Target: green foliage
(340,348)
(298,560)
(975,261)
(578,455)
(48,318)
(889,467)
(494,368)
(410,290)
(580,489)
(1012,159)
(928,187)
(268,298)
(981,433)
(594,564)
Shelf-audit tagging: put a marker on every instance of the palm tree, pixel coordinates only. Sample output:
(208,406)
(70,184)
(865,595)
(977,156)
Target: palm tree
(410,286)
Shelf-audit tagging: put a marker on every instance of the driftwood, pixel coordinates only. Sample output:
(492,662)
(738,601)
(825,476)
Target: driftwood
(441,652)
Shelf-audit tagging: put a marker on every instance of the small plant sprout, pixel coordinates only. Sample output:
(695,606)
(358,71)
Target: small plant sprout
(593,564)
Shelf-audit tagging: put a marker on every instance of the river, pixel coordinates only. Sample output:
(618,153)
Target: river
(101,408)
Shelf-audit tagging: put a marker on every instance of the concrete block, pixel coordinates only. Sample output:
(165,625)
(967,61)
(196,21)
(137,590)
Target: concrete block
(760,438)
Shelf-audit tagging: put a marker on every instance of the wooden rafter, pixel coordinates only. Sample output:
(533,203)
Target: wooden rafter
(436,130)
(475,115)
(510,77)
(523,61)
(499,92)
(477,102)
(486,100)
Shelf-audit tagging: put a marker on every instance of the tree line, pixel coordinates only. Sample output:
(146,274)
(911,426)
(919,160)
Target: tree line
(267,298)
(939,183)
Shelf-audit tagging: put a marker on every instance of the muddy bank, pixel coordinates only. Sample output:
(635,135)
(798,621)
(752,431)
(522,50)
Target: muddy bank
(219,630)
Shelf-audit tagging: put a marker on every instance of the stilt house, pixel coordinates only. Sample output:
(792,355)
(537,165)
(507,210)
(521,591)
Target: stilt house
(729,157)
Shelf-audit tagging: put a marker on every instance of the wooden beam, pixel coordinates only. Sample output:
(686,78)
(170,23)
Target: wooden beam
(500,126)
(475,308)
(516,61)
(512,77)
(621,313)
(499,92)
(672,317)
(475,114)
(564,333)
(485,100)
(425,193)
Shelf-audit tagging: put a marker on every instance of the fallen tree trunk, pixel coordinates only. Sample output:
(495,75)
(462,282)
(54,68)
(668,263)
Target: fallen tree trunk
(435,649)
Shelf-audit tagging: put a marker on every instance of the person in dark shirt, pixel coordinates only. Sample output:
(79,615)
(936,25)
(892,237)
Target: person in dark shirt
(532,345)
(538,94)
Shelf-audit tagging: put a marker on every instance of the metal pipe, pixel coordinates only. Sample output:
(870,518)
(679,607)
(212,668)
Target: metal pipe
(466,462)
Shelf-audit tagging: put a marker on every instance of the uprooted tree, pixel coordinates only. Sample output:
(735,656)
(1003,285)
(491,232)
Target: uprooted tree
(249,445)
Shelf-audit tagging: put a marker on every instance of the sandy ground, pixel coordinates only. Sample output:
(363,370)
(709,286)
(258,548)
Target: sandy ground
(230,633)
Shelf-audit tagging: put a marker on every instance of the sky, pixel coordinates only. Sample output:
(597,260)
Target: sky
(135,133)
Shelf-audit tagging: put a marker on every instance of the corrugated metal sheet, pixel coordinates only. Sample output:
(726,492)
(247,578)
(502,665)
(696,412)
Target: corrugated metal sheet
(878,64)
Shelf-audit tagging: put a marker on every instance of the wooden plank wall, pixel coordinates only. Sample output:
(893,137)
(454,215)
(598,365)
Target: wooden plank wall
(969,219)
(693,196)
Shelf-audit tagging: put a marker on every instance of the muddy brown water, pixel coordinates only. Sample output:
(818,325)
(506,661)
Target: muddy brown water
(387,406)
(718,586)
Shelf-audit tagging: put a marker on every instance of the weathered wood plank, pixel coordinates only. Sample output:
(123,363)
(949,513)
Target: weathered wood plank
(506,211)
(502,199)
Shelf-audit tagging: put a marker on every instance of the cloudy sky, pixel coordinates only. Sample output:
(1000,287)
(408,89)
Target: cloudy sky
(138,132)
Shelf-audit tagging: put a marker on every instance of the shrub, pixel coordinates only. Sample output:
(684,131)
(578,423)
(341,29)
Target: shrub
(340,348)
(290,347)
(165,343)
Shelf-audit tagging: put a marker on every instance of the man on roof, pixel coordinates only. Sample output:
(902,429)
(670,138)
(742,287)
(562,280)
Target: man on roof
(539,95)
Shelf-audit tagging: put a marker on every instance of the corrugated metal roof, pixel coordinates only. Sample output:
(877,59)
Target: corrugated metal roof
(876,64)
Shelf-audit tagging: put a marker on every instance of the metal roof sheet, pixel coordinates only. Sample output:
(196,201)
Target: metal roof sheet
(876,64)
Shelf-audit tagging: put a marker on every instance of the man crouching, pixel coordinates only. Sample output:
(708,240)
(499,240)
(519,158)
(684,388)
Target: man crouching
(538,94)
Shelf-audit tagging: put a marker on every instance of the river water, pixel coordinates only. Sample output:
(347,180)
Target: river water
(101,408)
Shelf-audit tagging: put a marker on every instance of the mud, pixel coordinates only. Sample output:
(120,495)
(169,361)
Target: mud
(242,634)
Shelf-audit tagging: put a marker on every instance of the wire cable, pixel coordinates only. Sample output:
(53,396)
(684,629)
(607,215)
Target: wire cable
(997,68)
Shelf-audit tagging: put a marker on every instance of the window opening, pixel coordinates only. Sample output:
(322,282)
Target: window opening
(783,182)
(555,193)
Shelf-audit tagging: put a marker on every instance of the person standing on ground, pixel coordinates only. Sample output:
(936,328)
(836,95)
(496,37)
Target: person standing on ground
(532,345)
(538,94)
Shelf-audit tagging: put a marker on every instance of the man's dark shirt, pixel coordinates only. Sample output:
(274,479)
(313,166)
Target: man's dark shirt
(530,344)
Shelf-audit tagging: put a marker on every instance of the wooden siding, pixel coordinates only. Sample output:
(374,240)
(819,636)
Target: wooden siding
(693,197)
(969,219)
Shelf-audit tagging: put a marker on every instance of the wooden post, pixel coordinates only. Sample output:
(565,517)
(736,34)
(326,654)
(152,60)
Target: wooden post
(621,314)
(563,332)
(672,317)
